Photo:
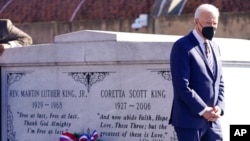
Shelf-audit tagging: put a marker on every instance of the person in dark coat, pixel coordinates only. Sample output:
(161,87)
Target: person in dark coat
(198,85)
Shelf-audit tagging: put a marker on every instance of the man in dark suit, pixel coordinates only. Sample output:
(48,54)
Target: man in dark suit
(11,36)
(197,80)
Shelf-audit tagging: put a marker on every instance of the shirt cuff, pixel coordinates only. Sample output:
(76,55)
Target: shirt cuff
(14,44)
(203,111)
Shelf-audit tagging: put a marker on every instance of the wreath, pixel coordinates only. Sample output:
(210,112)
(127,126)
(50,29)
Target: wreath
(67,136)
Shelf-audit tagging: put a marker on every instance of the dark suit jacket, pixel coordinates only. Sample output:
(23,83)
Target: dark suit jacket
(9,32)
(194,84)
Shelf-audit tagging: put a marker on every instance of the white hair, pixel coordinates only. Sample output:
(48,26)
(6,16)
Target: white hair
(206,7)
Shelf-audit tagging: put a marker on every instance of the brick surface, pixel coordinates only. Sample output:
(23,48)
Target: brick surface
(26,11)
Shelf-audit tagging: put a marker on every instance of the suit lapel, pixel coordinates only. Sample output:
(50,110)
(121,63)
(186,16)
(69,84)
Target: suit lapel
(197,47)
(202,55)
(200,52)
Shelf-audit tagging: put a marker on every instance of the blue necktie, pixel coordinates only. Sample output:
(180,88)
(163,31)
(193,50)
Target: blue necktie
(209,56)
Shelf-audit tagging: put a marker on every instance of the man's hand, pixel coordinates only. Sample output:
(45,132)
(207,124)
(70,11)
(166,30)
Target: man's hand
(212,114)
(2,47)
(217,110)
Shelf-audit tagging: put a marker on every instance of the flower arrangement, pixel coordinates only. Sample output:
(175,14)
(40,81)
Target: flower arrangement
(67,136)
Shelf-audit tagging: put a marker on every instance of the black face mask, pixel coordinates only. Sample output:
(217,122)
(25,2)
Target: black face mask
(208,31)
